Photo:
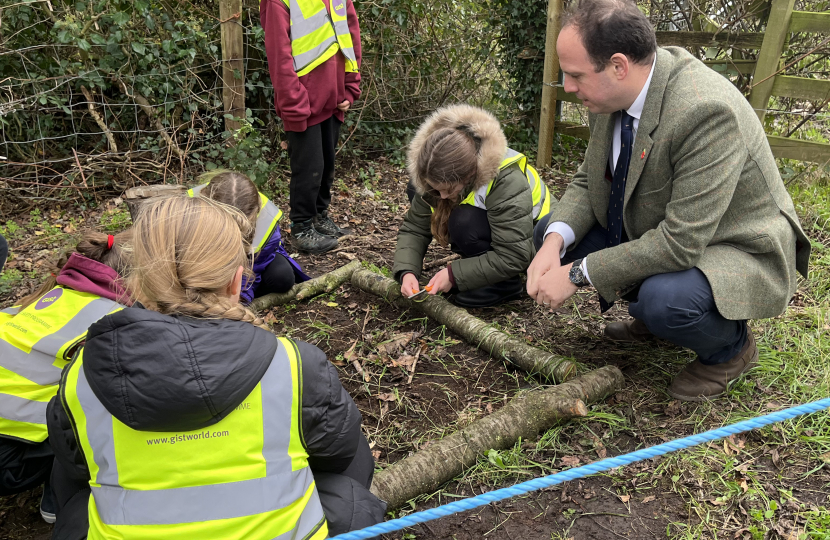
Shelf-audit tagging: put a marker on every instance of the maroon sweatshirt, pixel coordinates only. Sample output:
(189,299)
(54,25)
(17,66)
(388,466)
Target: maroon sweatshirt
(308,100)
(82,274)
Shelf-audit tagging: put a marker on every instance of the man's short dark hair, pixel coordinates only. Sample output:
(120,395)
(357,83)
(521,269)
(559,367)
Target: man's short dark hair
(607,27)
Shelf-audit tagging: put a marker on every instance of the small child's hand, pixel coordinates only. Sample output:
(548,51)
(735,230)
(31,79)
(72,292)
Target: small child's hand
(440,282)
(409,285)
(343,107)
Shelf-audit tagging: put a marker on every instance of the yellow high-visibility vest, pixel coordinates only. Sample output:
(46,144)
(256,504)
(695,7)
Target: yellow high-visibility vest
(268,218)
(316,36)
(34,347)
(539,191)
(244,478)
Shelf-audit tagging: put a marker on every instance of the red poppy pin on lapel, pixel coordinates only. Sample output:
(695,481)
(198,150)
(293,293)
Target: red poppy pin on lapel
(643,155)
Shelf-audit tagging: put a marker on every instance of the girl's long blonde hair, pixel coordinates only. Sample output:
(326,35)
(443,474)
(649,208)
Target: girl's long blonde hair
(450,157)
(186,252)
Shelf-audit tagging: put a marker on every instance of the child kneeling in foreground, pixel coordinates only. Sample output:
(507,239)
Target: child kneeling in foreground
(189,419)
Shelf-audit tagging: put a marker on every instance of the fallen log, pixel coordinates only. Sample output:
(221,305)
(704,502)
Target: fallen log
(319,285)
(524,417)
(477,332)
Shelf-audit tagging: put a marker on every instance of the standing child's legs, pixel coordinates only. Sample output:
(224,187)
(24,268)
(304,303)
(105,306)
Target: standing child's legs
(329,133)
(305,150)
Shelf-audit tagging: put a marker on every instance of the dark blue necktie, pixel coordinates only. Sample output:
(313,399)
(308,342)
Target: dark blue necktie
(614,233)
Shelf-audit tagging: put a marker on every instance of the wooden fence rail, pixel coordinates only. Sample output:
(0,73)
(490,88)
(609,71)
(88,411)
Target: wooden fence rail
(782,22)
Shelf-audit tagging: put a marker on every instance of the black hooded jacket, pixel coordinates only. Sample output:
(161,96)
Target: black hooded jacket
(159,372)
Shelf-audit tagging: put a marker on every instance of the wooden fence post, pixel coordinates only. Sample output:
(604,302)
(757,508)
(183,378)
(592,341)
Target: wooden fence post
(778,25)
(233,63)
(547,119)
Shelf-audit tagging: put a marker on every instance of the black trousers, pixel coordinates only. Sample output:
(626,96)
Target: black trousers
(4,251)
(311,153)
(23,466)
(347,502)
(469,229)
(677,306)
(277,277)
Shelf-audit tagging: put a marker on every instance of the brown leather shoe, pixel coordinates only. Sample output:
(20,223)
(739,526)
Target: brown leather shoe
(699,382)
(633,330)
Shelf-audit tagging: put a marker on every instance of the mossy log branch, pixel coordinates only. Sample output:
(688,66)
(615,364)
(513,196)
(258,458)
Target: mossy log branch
(319,285)
(474,330)
(524,417)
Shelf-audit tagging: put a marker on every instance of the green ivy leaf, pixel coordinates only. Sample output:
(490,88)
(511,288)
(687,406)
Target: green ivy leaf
(139,47)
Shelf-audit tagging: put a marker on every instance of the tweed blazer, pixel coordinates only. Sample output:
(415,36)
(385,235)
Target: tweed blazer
(703,190)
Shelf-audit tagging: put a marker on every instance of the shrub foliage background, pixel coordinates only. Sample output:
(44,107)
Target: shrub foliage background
(133,86)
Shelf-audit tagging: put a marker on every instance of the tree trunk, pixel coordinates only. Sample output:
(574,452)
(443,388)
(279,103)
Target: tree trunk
(319,285)
(524,417)
(472,329)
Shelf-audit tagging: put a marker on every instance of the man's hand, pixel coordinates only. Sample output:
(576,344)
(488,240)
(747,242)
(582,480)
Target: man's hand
(554,288)
(546,259)
(409,285)
(343,107)
(440,282)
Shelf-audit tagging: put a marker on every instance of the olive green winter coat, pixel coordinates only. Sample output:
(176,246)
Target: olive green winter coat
(509,206)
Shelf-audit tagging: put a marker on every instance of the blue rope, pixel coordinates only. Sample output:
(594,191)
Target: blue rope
(582,472)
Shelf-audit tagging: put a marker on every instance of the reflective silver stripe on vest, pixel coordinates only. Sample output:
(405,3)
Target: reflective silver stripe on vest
(37,365)
(310,521)
(279,488)
(531,180)
(10,310)
(304,59)
(264,220)
(341,28)
(301,27)
(99,422)
(22,410)
(196,190)
(543,190)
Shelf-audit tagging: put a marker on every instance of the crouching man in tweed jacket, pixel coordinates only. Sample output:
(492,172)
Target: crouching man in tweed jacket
(678,207)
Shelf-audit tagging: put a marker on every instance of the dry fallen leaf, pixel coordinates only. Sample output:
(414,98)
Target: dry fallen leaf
(406,360)
(624,498)
(649,499)
(386,397)
(376,454)
(570,461)
(397,342)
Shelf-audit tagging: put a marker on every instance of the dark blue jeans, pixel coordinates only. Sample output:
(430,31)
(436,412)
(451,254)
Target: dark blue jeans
(678,306)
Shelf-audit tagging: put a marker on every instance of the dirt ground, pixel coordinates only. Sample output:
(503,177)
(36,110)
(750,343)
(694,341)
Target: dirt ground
(405,403)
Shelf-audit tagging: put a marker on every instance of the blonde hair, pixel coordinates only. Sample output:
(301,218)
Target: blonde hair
(186,252)
(234,189)
(449,157)
(93,245)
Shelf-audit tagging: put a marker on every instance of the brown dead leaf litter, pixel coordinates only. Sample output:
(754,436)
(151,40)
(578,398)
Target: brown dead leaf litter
(415,382)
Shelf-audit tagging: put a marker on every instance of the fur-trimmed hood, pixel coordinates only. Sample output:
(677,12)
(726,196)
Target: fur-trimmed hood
(480,123)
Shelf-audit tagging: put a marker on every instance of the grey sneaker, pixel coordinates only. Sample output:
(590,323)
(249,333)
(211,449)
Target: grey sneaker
(323,224)
(308,240)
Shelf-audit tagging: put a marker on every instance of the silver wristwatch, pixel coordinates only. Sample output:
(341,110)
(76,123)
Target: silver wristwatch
(576,275)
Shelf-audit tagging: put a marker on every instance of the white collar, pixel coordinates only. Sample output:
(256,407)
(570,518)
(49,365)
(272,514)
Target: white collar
(636,109)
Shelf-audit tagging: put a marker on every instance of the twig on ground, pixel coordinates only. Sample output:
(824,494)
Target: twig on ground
(439,262)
